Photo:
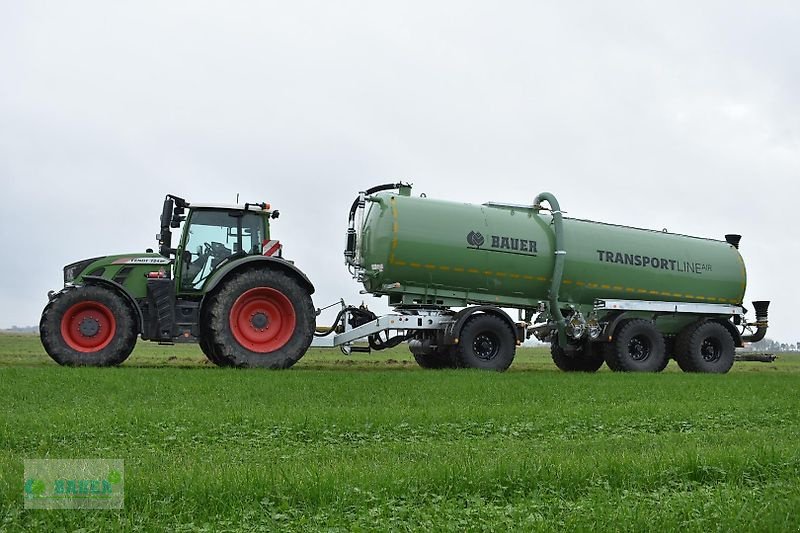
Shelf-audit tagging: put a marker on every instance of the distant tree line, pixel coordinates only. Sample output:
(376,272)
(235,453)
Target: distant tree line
(769,345)
(23,329)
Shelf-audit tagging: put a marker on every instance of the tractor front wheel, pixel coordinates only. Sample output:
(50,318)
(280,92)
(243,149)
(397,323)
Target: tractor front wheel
(260,318)
(88,326)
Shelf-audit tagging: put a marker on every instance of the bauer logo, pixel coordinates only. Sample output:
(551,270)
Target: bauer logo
(475,239)
(502,243)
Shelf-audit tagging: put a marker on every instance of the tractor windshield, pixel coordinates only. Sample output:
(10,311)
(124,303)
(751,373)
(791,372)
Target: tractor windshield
(216,235)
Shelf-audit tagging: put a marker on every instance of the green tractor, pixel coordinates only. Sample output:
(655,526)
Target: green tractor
(225,286)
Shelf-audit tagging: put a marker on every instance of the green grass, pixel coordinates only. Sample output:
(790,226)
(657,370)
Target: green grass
(374,443)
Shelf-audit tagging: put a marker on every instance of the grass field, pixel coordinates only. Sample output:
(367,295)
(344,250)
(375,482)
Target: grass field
(374,443)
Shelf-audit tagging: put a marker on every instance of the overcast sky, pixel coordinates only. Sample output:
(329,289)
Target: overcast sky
(678,115)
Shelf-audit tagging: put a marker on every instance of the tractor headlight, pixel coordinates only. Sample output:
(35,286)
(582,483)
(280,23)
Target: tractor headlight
(73,270)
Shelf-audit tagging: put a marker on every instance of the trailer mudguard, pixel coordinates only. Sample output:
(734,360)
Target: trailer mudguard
(453,330)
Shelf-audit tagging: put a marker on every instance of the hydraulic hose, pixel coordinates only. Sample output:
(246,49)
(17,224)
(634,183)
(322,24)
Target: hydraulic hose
(558,268)
(376,343)
(335,324)
(351,244)
(371,190)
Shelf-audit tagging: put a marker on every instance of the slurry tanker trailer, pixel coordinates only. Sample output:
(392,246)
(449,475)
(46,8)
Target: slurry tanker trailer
(597,292)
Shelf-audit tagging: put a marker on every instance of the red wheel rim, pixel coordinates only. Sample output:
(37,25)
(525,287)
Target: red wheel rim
(262,319)
(88,326)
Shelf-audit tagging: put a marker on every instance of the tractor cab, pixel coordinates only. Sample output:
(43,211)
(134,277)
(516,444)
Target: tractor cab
(213,236)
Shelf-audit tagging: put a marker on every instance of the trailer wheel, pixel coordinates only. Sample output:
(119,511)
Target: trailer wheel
(637,347)
(588,357)
(705,347)
(260,318)
(438,359)
(88,326)
(669,350)
(486,342)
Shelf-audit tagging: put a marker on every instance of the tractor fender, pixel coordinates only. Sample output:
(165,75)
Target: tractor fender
(122,291)
(453,330)
(257,261)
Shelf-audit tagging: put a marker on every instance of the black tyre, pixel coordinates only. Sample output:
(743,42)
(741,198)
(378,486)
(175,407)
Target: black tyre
(637,347)
(88,326)
(436,359)
(260,318)
(588,357)
(486,342)
(205,342)
(669,350)
(208,350)
(705,347)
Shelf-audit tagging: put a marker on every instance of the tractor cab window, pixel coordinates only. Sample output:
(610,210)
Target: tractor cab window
(214,236)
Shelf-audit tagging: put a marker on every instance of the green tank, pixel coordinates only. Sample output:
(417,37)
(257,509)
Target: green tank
(423,251)
(598,293)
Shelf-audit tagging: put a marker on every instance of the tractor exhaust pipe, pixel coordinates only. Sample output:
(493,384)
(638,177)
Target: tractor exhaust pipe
(165,236)
(761,322)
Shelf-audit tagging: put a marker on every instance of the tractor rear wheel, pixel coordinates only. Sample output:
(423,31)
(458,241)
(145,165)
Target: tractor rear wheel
(88,326)
(705,347)
(486,342)
(637,347)
(211,354)
(587,357)
(206,344)
(260,318)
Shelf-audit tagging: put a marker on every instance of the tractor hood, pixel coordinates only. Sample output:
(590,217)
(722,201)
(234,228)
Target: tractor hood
(129,270)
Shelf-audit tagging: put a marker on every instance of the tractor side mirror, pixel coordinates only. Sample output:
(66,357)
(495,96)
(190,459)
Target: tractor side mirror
(177,216)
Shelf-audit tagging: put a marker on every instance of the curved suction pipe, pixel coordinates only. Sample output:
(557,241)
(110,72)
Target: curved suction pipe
(761,322)
(560,257)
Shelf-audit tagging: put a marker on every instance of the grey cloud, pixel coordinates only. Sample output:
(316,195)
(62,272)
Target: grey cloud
(675,115)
